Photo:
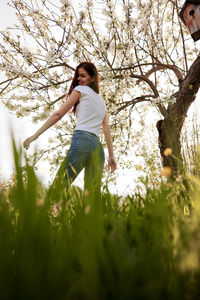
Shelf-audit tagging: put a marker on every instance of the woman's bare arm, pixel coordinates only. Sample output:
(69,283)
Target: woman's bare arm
(106,130)
(54,118)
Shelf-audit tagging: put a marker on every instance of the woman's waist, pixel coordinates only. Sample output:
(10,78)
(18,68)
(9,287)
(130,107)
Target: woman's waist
(86,132)
(91,128)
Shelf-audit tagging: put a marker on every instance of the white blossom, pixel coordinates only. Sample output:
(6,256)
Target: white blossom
(49,57)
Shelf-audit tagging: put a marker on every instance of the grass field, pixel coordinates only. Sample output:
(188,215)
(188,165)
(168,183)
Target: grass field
(92,246)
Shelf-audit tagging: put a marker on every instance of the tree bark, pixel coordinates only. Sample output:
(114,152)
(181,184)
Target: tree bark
(169,129)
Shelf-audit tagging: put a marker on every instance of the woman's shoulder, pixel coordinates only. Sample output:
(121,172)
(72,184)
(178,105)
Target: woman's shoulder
(84,89)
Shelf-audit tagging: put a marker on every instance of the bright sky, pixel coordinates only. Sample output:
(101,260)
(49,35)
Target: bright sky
(22,128)
(7,17)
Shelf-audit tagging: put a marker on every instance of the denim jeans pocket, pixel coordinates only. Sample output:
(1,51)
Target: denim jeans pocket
(80,142)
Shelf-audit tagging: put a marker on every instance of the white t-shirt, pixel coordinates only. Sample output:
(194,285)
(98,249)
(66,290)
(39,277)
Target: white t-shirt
(90,110)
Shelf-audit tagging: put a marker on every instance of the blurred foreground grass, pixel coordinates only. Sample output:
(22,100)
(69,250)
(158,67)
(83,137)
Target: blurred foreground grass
(79,246)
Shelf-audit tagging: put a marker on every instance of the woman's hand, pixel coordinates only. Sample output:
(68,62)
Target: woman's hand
(29,140)
(112,163)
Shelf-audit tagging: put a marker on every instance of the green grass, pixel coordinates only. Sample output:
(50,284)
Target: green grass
(55,245)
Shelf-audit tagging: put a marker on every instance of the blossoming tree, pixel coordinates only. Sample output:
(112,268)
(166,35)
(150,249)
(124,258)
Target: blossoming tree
(142,50)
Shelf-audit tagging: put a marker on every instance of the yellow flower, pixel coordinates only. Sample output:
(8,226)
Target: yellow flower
(40,202)
(166,171)
(138,167)
(167,151)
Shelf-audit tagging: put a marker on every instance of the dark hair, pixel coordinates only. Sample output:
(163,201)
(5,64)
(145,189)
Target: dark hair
(92,71)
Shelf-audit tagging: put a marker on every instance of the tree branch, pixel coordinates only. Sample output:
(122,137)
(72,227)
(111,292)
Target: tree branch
(189,88)
(35,72)
(159,67)
(133,102)
(149,82)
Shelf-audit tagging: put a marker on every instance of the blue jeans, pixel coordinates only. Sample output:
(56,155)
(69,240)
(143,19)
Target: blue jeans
(87,152)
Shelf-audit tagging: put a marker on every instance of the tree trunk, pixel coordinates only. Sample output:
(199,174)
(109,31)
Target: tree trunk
(169,141)
(169,129)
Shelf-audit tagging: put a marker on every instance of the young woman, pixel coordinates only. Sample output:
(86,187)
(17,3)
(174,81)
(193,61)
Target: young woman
(85,151)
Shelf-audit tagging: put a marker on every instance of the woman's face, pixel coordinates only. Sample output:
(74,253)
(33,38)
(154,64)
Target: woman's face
(83,77)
